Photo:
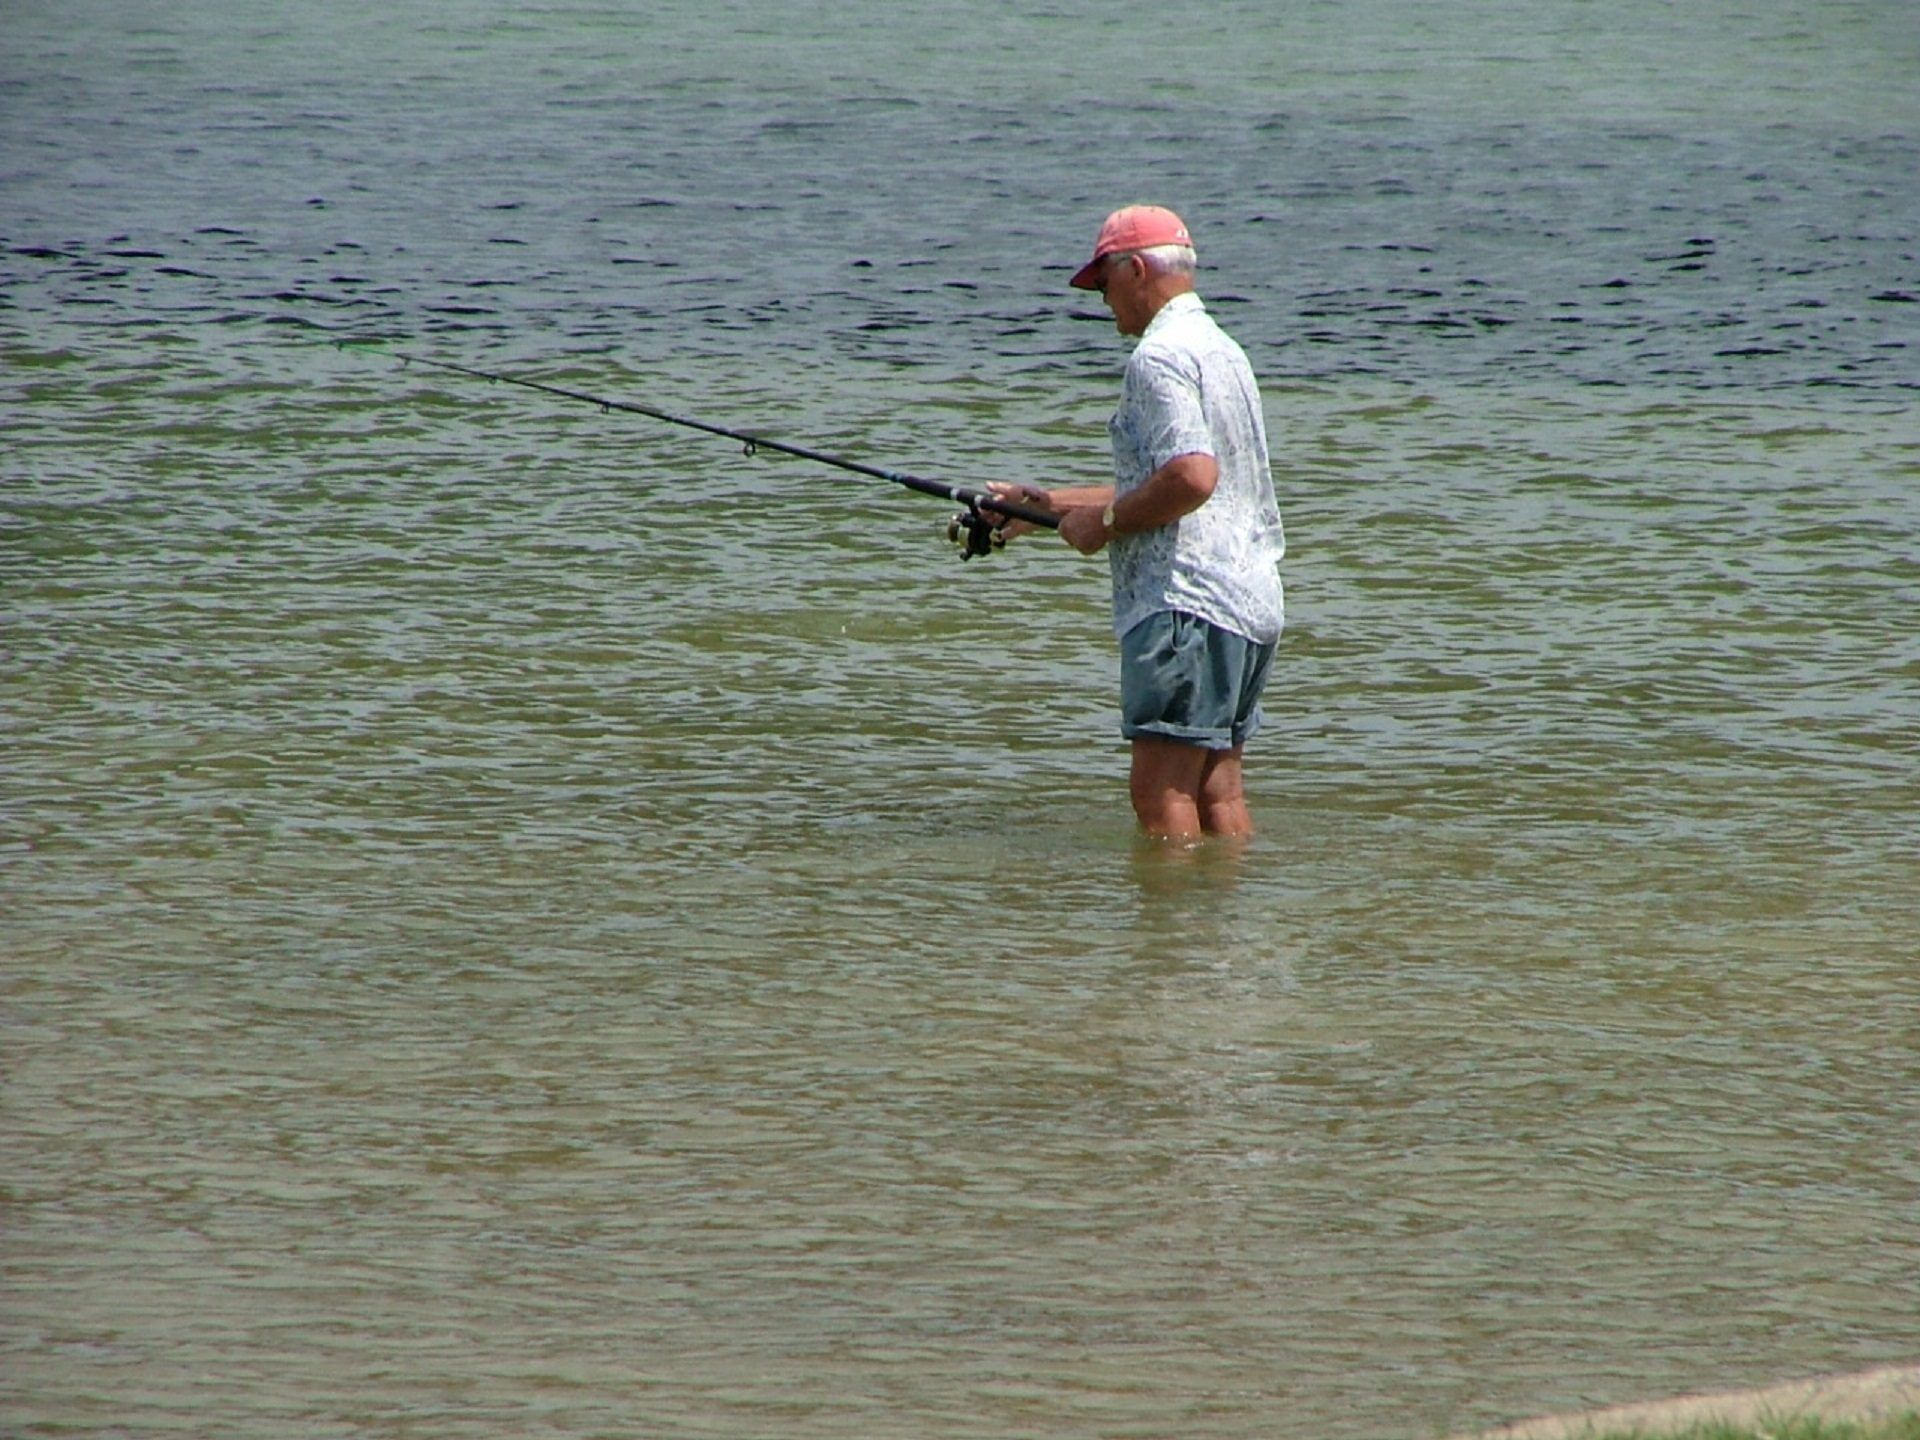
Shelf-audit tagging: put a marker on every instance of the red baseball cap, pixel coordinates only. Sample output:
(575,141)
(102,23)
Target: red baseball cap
(1137,227)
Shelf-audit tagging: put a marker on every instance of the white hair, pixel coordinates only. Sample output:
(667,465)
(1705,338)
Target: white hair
(1169,259)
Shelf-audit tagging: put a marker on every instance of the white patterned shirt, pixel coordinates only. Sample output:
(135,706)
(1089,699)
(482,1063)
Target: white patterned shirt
(1190,391)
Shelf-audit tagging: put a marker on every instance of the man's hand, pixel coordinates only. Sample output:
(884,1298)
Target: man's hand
(1010,528)
(1083,529)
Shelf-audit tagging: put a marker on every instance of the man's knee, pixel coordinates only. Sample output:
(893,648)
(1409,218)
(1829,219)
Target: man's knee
(1223,797)
(1221,778)
(1165,784)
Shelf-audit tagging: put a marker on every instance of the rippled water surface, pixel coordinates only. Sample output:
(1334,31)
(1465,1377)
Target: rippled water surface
(520,920)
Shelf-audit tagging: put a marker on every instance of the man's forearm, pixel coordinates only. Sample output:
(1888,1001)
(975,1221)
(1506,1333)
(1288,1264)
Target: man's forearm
(1073,496)
(1179,487)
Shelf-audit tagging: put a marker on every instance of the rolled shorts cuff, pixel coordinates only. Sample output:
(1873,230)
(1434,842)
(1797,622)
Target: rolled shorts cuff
(1212,738)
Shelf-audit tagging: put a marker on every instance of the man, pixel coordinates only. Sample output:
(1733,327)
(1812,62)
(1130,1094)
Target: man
(1191,529)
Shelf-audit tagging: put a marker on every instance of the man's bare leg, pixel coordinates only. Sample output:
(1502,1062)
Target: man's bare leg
(1223,798)
(1165,787)
(1182,791)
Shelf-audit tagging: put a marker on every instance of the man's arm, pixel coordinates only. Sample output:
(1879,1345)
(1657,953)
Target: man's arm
(1179,487)
(1059,502)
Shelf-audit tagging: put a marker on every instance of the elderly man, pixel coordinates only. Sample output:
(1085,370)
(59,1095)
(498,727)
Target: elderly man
(1191,529)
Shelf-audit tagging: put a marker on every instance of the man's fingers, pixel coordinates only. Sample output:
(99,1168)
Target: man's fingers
(1013,529)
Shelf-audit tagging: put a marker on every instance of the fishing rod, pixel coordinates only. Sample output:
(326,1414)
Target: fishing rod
(972,529)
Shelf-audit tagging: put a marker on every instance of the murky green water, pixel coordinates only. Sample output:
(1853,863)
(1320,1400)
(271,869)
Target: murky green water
(521,921)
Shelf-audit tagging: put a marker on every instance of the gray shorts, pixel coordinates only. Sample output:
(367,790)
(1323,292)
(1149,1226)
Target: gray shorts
(1182,678)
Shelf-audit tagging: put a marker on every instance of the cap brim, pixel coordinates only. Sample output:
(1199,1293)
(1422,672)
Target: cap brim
(1088,275)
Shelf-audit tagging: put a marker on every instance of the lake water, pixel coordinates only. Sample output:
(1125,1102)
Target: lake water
(516,920)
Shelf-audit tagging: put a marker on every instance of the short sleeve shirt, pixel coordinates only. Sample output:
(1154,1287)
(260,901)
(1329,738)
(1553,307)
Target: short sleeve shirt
(1190,391)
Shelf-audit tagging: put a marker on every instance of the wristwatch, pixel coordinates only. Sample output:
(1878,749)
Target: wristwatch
(1106,519)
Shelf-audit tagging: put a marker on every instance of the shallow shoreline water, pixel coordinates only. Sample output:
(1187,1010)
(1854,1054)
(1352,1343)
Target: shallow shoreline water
(1874,1396)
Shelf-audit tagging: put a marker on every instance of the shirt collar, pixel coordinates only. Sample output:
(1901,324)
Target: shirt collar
(1187,302)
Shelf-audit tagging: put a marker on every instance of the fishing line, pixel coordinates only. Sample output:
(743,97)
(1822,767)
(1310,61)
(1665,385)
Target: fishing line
(972,529)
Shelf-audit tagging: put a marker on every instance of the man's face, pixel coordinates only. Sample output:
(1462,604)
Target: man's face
(1123,279)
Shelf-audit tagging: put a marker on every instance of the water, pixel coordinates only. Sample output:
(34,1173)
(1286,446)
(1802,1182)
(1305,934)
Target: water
(525,921)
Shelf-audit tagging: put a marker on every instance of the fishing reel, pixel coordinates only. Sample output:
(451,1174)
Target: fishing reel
(974,534)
